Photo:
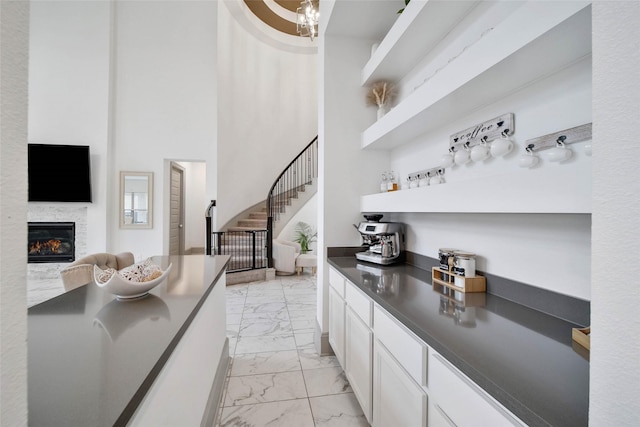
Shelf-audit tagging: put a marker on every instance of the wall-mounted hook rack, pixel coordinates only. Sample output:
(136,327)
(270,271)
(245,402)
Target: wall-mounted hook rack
(486,131)
(567,136)
(429,172)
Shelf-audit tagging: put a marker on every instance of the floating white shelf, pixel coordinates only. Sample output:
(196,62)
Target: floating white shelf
(407,42)
(536,41)
(526,193)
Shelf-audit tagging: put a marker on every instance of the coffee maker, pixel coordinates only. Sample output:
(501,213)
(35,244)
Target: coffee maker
(384,239)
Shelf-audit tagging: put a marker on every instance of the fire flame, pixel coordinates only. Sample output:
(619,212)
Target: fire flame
(50,246)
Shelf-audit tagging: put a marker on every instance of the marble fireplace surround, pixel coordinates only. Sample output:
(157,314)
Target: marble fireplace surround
(43,279)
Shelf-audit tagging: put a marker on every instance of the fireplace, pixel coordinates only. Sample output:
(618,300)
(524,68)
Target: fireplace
(51,242)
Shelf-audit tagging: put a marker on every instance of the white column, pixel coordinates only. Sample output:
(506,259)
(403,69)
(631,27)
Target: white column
(14,61)
(615,352)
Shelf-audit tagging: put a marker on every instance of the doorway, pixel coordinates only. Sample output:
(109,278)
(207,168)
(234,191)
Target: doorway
(186,204)
(176,210)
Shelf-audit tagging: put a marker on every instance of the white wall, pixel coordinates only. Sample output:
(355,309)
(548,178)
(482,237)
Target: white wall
(165,102)
(345,171)
(14,38)
(514,246)
(69,91)
(268,113)
(615,349)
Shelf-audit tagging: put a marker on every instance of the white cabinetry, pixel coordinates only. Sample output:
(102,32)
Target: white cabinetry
(396,377)
(437,418)
(350,336)
(399,374)
(397,399)
(460,400)
(336,314)
(359,347)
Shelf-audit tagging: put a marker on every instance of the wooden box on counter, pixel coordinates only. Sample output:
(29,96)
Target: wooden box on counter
(471,284)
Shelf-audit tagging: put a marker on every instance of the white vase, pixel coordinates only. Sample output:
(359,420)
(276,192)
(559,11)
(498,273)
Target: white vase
(382,110)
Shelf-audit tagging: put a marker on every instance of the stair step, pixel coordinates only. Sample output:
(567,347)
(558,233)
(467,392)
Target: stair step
(258,215)
(238,228)
(255,223)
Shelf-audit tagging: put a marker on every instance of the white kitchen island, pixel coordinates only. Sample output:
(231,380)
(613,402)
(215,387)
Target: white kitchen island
(159,360)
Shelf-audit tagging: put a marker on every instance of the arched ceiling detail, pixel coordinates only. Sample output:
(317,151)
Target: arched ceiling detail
(279,22)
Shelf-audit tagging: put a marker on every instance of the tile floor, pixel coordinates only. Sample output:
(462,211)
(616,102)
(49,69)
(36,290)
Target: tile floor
(276,378)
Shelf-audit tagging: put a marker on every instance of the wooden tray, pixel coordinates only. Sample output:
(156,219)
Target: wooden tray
(581,336)
(471,284)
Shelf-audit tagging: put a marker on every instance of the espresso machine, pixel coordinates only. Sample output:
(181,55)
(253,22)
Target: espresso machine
(384,239)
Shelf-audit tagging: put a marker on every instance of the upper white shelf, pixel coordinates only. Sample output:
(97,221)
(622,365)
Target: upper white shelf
(527,192)
(407,42)
(536,41)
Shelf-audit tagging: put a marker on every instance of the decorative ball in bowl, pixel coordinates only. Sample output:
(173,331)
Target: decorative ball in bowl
(131,282)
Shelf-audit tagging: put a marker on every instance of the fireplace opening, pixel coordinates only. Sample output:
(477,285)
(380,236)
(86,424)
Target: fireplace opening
(51,242)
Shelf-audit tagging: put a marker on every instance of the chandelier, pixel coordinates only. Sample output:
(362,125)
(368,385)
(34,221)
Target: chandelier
(307,23)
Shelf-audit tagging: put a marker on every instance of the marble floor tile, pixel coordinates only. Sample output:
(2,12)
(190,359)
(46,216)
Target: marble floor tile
(297,290)
(340,410)
(310,359)
(275,377)
(256,291)
(234,308)
(267,285)
(304,339)
(237,286)
(265,343)
(233,342)
(264,299)
(301,306)
(324,381)
(265,307)
(291,413)
(233,331)
(234,318)
(265,363)
(252,389)
(302,314)
(301,297)
(264,327)
(303,324)
(273,316)
(298,284)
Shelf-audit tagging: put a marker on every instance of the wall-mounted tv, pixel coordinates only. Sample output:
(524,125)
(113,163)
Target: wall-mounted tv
(59,173)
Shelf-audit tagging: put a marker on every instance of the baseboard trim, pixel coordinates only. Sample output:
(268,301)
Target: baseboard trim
(321,341)
(215,395)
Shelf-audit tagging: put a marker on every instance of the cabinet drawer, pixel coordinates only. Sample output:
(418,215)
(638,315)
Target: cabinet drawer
(409,351)
(359,303)
(463,402)
(336,281)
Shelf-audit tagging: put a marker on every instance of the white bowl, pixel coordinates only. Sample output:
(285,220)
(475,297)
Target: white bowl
(127,289)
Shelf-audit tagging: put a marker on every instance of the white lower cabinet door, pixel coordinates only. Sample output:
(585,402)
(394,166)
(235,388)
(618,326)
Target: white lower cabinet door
(397,399)
(359,360)
(463,402)
(336,325)
(437,417)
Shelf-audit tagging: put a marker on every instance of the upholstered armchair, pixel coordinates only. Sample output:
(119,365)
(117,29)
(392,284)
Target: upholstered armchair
(284,256)
(80,272)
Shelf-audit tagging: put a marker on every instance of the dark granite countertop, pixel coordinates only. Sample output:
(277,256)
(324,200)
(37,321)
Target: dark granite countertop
(92,358)
(524,358)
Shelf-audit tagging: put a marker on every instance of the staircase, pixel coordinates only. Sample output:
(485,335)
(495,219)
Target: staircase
(249,242)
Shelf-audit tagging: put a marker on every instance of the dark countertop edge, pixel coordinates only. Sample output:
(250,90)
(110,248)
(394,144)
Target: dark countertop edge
(512,404)
(144,388)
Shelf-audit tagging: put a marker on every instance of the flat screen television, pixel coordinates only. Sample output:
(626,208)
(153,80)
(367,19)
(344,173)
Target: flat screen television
(59,173)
